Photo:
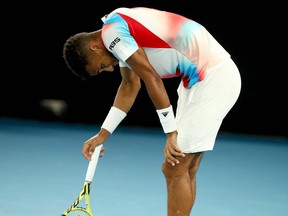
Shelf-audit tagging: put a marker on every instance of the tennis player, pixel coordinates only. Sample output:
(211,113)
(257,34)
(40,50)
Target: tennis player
(151,45)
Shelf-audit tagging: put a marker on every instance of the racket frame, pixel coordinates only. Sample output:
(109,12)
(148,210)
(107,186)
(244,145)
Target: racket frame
(85,192)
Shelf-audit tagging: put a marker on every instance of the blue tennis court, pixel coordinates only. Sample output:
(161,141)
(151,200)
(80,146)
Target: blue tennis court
(42,171)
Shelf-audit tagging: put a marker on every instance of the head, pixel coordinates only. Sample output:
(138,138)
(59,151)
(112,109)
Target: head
(85,55)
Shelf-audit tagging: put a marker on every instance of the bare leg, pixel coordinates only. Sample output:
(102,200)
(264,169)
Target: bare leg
(192,172)
(181,184)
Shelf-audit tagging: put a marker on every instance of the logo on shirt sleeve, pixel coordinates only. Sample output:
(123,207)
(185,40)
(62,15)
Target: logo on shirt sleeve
(113,43)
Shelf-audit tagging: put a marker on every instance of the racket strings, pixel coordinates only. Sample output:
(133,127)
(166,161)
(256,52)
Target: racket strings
(78,212)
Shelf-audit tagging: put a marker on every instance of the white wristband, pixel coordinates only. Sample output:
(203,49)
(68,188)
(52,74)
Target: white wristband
(167,119)
(113,119)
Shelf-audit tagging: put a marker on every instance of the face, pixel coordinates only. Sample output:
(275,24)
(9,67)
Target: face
(99,62)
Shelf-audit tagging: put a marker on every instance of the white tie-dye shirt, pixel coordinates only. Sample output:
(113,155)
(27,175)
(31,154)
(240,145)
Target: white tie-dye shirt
(175,45)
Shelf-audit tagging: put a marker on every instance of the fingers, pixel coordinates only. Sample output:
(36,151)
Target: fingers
(87,151)
(102,152)
(170,158)
(89,147)
(171,153)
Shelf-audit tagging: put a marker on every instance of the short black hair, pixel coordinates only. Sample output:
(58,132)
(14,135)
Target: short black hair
(75,54)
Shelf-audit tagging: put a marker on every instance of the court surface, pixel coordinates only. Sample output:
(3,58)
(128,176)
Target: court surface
(42,171)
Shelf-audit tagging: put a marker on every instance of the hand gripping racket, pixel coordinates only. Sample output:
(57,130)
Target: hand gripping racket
(75,209)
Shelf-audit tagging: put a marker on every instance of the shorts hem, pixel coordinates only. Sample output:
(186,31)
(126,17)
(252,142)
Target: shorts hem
(198,150)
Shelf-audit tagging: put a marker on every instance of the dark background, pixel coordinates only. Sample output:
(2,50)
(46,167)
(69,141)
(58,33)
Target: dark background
(33,68)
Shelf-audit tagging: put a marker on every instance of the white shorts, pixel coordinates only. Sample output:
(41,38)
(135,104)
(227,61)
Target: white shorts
(201,109)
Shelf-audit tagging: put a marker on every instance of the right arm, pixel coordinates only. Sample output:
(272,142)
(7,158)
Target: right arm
(124,99)
(128,90)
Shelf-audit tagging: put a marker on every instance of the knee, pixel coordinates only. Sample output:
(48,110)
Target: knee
(172,172)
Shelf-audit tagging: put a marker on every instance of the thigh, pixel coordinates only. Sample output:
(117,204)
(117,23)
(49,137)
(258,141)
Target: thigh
(191,160)
(195,163)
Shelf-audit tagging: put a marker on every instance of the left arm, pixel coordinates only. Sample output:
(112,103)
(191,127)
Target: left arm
(140,64)
(154,85)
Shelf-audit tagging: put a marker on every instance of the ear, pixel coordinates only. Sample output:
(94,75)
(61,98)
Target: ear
(95,46)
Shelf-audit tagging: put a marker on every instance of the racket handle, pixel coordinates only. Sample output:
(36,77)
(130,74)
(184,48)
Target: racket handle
(93,163)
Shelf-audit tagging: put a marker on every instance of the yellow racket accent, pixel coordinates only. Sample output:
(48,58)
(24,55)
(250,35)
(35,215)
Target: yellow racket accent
(85,192)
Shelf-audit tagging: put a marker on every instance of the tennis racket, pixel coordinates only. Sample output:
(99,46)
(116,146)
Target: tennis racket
(75,209)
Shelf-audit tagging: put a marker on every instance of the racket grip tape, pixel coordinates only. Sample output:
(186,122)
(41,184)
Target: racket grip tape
(93,164)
